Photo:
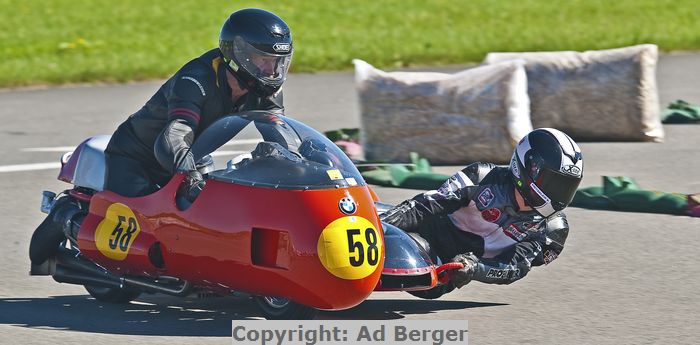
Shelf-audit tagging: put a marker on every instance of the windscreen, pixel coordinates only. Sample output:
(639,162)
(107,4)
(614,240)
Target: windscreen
(287,154)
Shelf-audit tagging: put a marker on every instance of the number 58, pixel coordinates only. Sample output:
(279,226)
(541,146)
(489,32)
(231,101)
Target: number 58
(357,247)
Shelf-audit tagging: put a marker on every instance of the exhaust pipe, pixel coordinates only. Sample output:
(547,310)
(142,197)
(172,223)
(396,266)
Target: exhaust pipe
(70,268)
(149,286)
(63,274)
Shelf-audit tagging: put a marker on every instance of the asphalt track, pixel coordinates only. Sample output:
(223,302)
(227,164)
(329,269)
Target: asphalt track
(624,278)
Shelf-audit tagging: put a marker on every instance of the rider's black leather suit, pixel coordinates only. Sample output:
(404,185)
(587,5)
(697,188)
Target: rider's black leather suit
(475,211)
(152,144)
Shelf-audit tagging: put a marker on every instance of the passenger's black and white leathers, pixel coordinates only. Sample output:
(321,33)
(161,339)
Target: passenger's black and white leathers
(476,211)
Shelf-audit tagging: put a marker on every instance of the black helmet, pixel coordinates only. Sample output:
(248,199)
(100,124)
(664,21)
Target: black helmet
(257,46)
(547,167)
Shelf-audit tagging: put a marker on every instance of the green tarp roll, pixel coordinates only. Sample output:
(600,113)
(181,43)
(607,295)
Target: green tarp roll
(623,194)
(680,112)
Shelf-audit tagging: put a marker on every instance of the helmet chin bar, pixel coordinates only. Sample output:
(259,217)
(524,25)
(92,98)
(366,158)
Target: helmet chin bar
(545,209)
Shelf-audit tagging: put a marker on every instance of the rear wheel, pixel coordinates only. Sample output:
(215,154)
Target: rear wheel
(112,295)
(49,234)
(279,308)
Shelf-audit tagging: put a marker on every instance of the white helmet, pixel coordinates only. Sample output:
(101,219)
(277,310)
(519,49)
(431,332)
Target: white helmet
(547,167)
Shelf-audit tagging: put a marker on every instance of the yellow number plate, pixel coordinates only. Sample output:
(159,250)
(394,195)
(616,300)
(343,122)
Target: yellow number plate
(116,232)
(350,248)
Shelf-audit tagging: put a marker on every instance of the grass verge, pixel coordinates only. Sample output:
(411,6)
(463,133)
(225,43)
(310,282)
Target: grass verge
(62,41)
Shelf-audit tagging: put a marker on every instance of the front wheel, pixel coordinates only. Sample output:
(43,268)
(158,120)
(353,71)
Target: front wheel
(278,308)
(112,295)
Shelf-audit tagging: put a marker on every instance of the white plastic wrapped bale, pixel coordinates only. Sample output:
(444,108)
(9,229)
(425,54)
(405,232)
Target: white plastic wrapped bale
(478,114)
(594,95)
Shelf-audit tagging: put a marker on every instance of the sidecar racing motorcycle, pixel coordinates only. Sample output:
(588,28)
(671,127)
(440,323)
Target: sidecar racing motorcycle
(292,223)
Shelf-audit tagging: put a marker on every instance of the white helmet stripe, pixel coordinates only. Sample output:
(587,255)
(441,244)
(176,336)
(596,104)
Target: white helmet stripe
(522,148)
(568,146)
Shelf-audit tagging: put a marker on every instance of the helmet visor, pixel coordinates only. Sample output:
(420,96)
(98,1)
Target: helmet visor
(269,68)
(558,187)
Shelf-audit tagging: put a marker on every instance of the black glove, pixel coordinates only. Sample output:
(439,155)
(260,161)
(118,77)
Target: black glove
(463,275)
(192,185)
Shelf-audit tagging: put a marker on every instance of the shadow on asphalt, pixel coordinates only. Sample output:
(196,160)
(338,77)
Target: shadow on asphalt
(386,309)
(168,316)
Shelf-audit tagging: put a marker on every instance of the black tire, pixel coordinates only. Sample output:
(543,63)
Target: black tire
(277,308)
(49,234)
(433,293)
(112,295)
(45,241)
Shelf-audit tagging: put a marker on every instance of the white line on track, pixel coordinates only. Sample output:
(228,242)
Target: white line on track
(56,165)
(29,167)
(50,149)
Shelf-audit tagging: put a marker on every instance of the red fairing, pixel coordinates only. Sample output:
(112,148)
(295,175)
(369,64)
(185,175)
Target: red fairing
(243,238)
(67,172)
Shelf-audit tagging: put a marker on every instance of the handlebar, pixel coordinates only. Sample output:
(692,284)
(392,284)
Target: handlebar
(445,268)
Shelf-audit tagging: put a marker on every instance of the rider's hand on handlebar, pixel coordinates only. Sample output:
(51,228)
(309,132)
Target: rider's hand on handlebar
(192,185)
(463,275)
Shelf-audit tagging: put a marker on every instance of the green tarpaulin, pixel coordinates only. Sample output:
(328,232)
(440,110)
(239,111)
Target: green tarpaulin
(623,194)
(417,175)
(681,112)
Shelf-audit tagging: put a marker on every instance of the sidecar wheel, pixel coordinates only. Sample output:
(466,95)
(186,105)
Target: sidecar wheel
(278,308)
(112,295)
(433,293)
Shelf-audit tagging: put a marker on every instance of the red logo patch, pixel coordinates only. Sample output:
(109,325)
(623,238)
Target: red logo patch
(491,215)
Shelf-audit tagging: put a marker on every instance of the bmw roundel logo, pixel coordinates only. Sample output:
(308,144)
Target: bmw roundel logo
(347,205)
